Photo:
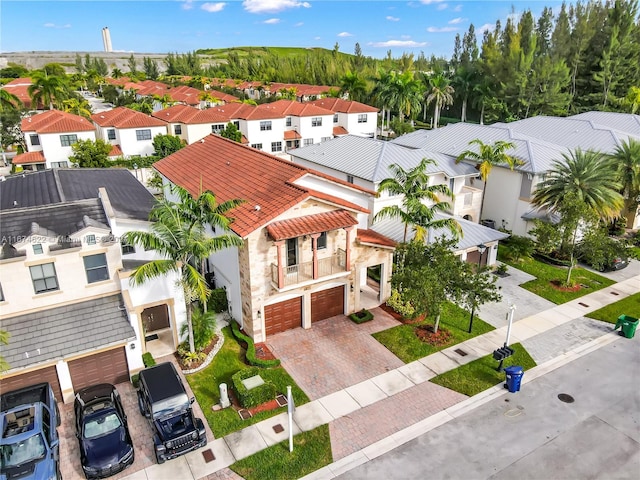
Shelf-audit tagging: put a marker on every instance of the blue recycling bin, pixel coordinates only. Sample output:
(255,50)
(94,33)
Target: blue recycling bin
(514,378)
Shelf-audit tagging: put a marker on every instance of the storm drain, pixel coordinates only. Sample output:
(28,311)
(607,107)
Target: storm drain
(583,304)
(208,456)
(278,428)
(244,414)
(614,293)
(566,398)
(281,400)
(461,352)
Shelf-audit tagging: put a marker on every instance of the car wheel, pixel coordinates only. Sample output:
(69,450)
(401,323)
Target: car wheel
(159,459)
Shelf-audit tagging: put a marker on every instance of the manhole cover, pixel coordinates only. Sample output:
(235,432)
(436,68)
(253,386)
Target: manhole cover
(278,428)
(566,398)
(461,352)
(208,456)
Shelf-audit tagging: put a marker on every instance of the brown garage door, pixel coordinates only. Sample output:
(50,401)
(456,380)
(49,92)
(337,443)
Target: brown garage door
(106,367)
(283,316)
(327,303)
(47,374)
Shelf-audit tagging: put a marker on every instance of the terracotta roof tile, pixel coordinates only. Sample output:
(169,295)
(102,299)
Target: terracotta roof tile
(116,151)
(337,131)
(291,135)
(318,223)
(55,121)
(369,236)
(122,117)
(343,106)
(19,81)
(29,157)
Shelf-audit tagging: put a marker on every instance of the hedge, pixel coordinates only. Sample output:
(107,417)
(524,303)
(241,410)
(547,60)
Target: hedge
(257,395)
(251,349)
(148,360)
(361,316)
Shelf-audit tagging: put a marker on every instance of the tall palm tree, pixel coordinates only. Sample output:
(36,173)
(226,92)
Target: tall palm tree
(482,93)
(8,101)
(489,155)
(627,158)
(413,186)
(380,94)
(353,85)
(178,235)
(78,106)
(463,82)
(404,94)
(117,73)
(47,89)
(440,93)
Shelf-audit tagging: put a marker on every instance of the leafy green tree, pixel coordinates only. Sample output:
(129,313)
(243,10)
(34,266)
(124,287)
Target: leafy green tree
(77,106)
(404,94)
(8,101)
(354,86)
(117,73)
(627,158)
(13,70)
(151,70)
(165,145)
(478,287)
(598,250)
(463,84)
(231,132)
(10,132)
(91,154)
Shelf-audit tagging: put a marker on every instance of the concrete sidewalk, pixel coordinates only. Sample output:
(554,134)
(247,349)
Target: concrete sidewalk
(381,392)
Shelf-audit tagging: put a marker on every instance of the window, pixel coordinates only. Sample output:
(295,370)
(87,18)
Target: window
(96,267)
(111,134)
(288,121)
(68,140)
(322,241)
(90,239)
(257,146)
(266,125)
(59,164)
(452,183)
(276,146)
(1,294)
(127,249)
(37,249)
(350,178)
(44,278)
(34,139)
(316,121)
(237,124)
(217,127)
(335,118)
(307,141)
(525,186)
(362,118)
(177,130)
(143,134)
(324,139)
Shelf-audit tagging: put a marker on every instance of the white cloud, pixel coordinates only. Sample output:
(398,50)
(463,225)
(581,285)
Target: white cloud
(187,4)
(442,6)
(392,19)
(345,34)
(53,25)
(457,8)
(441,29)
(456,21)
(213,7)
(317,38)
(272,21)
(272,6)
(398,43)
(485,27)
(299,24)
(429,2)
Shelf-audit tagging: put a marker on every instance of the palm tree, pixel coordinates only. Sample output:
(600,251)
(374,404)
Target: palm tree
(178,235)
(47,89)
(464,85)
(164,100)
(633,98)
(404,94)
(482,93)
(78,106)
(380,94)
(413,186)
(8,101)
(440,93)
(627,157)
(354,86)
(117,73)
(489,156)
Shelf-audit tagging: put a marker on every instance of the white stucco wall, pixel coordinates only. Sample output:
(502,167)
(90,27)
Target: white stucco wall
(131,146)
(266,137)
(306,130)
(350,122)
(52,147)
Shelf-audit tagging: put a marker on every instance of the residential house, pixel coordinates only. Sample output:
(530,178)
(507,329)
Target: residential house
(350,117)
(20,88)
(49,137)
(306,245)
(131,131)
(66,301)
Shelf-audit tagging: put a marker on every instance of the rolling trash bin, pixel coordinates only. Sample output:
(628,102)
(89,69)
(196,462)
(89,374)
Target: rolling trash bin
(514,378)
(627,325)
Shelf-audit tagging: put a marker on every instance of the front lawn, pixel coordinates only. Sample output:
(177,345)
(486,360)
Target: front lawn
(610,313)
(404,344)
(311,451)
(481,374)
(229,360)
(545,274)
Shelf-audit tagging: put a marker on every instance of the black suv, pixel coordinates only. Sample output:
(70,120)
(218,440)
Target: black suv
(164,401)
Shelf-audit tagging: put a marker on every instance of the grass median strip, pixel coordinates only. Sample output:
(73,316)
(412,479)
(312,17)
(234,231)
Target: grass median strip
(610,313)
(481,374)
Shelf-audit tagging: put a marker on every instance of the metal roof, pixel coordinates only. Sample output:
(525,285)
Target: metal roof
(623,122)
(369,159)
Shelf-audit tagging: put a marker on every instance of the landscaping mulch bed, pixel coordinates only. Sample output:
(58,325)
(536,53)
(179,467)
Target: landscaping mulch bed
(399,317)
(425,334)
(194,365)
(557,284)
(263,352)
(263,407)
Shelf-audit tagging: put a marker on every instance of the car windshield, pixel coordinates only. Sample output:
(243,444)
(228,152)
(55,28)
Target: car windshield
(14,454)
(99,426)
(177,425)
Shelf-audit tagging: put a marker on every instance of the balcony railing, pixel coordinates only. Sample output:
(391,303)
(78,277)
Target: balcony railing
(303,272)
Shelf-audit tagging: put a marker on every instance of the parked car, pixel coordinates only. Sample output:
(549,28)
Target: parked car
(101,427)
(163,399)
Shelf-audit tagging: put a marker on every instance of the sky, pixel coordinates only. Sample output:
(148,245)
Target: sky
(151,26)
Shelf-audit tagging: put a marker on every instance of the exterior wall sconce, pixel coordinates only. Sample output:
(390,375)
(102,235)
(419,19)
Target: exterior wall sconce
(132,346)
(259,315)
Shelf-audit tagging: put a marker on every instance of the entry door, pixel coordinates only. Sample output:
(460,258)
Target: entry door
(155,318)
(292,252)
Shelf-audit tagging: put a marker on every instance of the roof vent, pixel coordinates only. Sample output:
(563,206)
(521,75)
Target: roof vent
(257,208)
(202,140)
(15,203)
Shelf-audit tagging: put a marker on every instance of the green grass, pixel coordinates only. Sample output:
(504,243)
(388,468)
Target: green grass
(404,344)
(627,306)
(481,374)
(229,360)
(546,273)
(311,451)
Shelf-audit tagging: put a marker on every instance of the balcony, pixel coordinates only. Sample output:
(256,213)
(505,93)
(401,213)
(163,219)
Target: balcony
(303,272)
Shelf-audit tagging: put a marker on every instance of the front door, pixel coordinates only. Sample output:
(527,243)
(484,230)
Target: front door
(155,318)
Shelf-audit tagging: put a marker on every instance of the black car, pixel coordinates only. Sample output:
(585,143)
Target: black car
(101,427)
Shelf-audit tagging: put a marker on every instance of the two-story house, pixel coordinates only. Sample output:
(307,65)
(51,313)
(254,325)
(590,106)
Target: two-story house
(72,316)
(306,246)
(49,137)
(350,117)
(131,131)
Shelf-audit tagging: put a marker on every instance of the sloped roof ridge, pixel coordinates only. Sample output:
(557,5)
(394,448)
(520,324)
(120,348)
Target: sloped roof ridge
(383,149)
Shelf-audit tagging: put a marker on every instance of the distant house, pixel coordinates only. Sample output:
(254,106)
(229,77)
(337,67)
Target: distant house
(49,137)
(20,88)
(349,117)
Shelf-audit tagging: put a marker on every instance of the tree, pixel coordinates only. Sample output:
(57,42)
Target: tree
(464,84)
(179,237)
(165,145)
(627,158)
(231,132)
(8,101)
(354,86)
(47,89)
(478,287)
(440,93)
(133,66)
(413,186)
(117,73)
(150,68)
(10,132)
(404,94)
(78,106)
(90,154)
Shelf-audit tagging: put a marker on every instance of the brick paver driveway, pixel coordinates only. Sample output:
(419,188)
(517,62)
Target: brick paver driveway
(334,353)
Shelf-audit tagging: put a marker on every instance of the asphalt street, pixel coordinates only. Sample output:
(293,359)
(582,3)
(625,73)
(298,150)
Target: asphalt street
(532,434)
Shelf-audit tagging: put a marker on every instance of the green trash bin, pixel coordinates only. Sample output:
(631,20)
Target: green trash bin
(627,325)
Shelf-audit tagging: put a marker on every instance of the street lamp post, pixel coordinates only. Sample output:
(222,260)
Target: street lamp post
(481,249)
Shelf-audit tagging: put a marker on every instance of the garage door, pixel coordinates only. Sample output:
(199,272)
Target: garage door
(106,367)
(283,316)
(48,374)
(327,303)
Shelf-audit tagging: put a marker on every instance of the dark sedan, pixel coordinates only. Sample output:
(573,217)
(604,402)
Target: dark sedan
(101,427)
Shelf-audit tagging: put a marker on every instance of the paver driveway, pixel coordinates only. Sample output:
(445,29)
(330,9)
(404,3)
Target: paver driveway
(334,353)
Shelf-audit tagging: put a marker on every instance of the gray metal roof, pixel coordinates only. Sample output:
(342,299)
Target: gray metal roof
(541,214)
(369,159)
(129,198)
(623,122)
(473,234)
(63,331)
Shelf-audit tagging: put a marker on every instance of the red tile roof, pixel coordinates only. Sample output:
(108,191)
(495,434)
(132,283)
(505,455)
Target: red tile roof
(318,223)
(19,81)
(122,117)
(340,131)
(29,157)
(117,81)
(375,238)
(343,106)
(192,116)
(55,121)
(116,151)
(20,88)
(291,135)
(232,170)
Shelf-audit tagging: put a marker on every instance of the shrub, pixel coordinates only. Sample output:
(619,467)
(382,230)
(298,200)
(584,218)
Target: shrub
(257,395)
(148,359)
(518,247)
(218,300)
(501,269)
(204,328)
(403,308)
(251,349)
(135,380)
(362,316)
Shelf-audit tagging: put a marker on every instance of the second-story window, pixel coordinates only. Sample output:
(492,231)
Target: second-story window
(288,121)
(96,267)
(362,118)
(350,178)
(335,118)
(126,248)
(217,127)
(111,134)
(307,141)
(316,121)
(34,139)
(143,134)
(44,278)
(257,146)
(177,129)
(90,239)
(322,241)
(265,125)
(276,146)
(68,140)
(37,249)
